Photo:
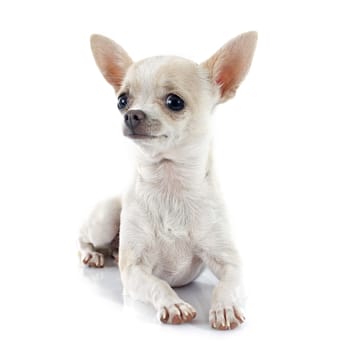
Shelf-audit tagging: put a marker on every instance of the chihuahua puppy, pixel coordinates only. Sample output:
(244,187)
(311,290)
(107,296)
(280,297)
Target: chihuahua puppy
(172,220)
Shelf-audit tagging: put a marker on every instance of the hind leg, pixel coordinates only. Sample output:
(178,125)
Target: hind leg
(89,254)
(99,236)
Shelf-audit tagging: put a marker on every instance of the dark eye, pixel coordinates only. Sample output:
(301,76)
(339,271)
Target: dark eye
(122,101)
(174,102)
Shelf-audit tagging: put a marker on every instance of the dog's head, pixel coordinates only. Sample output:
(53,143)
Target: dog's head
(166,101)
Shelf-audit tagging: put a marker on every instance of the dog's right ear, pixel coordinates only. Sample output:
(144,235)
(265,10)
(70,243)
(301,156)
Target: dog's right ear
(111,59)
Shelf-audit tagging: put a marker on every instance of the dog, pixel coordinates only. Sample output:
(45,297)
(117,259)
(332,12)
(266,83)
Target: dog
(171,222)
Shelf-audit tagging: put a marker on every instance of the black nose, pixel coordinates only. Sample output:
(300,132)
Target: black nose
(133,118)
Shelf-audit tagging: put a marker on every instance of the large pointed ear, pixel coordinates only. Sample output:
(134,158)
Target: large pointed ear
(111,58)
(228,66)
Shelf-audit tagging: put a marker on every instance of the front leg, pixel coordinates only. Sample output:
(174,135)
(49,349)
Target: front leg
(225,312)
(141,284)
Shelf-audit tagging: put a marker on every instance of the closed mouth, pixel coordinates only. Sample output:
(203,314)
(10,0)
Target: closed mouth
(144,136)
(141,136)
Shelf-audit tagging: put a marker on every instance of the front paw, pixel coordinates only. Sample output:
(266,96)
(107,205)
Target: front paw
(225,317)
(93,259)
(177,313)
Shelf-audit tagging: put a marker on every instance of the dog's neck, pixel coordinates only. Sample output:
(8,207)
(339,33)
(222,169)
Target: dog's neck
(181,168)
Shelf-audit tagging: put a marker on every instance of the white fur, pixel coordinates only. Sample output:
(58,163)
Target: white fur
(173,221)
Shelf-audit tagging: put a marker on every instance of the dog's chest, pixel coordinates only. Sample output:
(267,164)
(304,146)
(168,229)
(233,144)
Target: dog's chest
(171,200)
(172,249)
(174,218)
(174,207)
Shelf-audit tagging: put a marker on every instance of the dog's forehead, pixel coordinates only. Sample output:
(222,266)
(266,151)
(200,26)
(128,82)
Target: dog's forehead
(163,71)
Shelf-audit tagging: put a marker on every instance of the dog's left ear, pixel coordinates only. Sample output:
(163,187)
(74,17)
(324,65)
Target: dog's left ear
(229,66)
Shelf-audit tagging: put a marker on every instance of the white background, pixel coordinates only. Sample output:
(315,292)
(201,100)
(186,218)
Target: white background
(282,152)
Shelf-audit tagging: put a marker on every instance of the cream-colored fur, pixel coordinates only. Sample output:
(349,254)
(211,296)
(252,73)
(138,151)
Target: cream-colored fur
(173,221)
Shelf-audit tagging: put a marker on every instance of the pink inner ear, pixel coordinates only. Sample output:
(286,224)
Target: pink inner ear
(219,81)
(114,75)
(227,79)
